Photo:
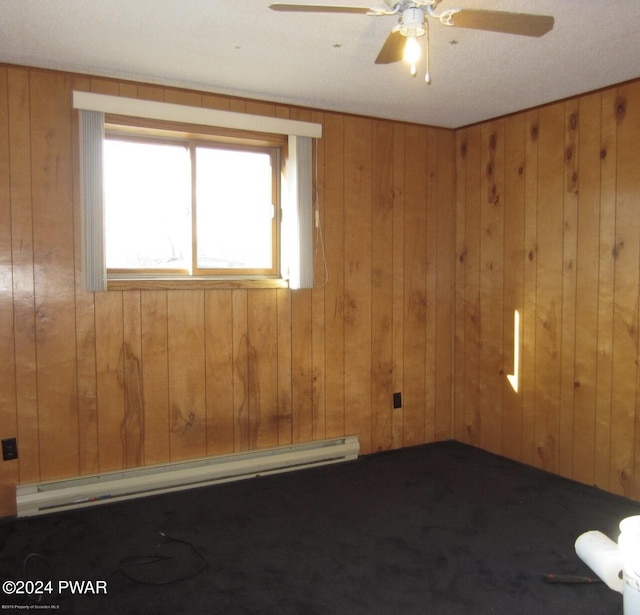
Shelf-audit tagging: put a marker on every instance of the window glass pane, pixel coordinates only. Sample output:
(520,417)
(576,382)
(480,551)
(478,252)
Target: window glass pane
(147,205)
(234,209)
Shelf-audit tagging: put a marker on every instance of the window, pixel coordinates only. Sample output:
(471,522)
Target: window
(239,185)
(184,207)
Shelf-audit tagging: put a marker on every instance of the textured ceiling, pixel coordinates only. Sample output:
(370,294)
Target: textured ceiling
(326,61)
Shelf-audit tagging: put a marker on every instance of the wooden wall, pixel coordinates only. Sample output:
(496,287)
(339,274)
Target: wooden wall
(431,237)
(93,382)
(548,222)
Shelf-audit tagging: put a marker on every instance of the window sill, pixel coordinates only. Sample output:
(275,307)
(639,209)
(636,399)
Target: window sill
(194,283)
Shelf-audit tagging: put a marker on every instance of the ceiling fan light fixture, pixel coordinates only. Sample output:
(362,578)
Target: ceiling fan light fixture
(412,23)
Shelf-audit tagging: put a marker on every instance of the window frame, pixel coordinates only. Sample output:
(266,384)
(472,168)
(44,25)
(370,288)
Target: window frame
(297,185)
(276,170)
(194,136)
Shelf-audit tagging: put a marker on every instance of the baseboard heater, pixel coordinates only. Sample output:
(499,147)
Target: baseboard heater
(52,496)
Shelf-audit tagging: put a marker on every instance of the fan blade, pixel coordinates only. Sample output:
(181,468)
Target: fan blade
(318,8)
(501,21)
(393,48)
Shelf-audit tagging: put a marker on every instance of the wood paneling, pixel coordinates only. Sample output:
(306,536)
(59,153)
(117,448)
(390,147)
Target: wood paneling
(9,472)
(103,381)
(398,269)
(530,280)
(54,265)
(468,287)
(332,219)
(513,284)
(110,381)
(491,285)
(415,290)
(155,384)
(606,269)
(382,287)
(626,253)
(431,237)
(441,284)
(564,249)
(587,265)
(358,143)
(549,288)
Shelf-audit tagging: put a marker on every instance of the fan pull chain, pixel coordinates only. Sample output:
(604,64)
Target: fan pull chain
(427,75)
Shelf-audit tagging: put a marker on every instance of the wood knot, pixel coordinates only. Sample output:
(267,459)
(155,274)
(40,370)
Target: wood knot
(603,153)
(568,154)
(621,109)
(463,149)
(530,255)
(533,132)
(616,249)
(520,170)
(493,141)
(489,170)
(576,384)
(573,182)
(573,121)
(494,199)
(188,422)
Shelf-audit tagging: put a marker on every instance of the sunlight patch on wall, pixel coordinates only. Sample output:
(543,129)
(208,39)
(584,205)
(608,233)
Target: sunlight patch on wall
(514,378)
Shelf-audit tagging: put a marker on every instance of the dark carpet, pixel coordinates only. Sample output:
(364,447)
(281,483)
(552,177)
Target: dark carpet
(439,529)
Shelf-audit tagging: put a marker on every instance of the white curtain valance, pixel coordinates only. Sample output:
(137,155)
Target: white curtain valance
(154,110)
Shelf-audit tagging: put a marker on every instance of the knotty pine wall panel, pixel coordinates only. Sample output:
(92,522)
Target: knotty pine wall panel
(21,257)
(626,253)
(606,270)
(53,246)
(491,283)
(584,385)
(441,270)
(415,294)
(8,339)
(382,285)
(154,362)
(95,382)
(513,283)
(551,281)
(530,280)
(547,223)
(358,351)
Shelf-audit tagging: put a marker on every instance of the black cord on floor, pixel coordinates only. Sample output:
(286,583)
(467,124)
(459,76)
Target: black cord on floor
(145,560)
(31,556)
(571,579)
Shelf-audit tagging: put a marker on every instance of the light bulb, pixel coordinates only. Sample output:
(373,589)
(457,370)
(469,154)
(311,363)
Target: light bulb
(412,52)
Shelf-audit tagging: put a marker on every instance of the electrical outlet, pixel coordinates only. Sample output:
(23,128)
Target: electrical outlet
(9,449)
(397,400)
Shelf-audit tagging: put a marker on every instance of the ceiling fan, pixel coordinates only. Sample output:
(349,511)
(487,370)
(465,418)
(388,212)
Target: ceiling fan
(403,43)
